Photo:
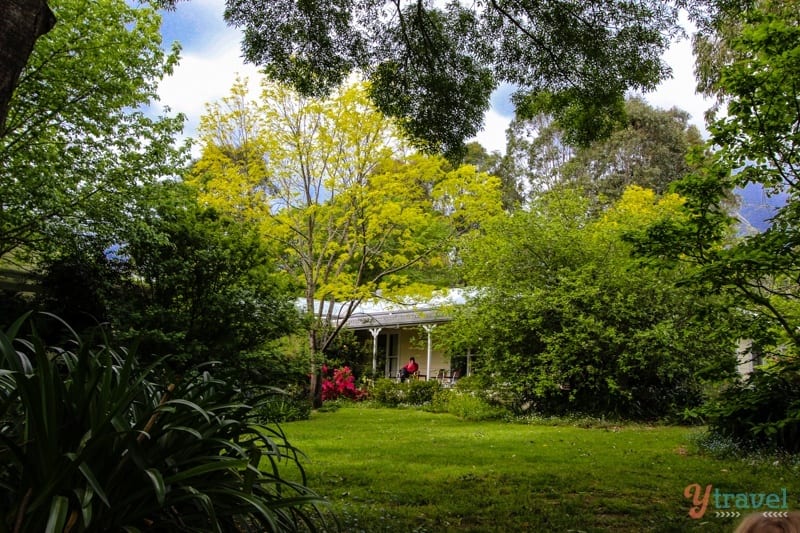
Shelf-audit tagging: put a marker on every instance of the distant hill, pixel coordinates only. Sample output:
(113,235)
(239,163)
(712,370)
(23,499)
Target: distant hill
(757,208)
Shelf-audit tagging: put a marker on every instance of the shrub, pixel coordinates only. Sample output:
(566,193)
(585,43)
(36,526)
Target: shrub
(341,385)
(441,400)
(284,406)
(280,363)
(388,392)
(763,412)
(470,406)
(88,442)
(421,392)
(477,383)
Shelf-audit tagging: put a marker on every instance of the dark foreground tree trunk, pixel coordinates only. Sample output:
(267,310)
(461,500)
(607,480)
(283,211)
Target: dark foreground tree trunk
(315,385)
(315,389)
(21,23)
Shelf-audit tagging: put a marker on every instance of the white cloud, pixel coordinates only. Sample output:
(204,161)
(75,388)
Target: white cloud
(209,68)
(200,79)
(679,91)
(493,135)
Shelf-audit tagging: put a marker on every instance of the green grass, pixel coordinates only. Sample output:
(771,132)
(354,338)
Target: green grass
(409,470)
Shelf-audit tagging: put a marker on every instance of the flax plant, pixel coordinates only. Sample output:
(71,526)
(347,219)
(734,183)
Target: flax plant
(89,441)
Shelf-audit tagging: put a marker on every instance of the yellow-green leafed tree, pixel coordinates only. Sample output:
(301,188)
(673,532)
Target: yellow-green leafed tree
(349,207)
(231,171)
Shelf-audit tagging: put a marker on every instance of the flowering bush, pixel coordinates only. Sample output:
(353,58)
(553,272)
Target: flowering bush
(342,385)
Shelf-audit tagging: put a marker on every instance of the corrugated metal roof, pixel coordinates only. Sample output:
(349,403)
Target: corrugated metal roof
(387,314)
(395,319)
(380,312)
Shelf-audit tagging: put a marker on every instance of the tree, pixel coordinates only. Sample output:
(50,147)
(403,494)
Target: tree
(186,281)
(755,142)
(434,68)
(77,143)
(536,152)
(496,165)
(203,285)
(713,49)
(567,321)
(649,149)
(84,283)
(349,210)
(23,22)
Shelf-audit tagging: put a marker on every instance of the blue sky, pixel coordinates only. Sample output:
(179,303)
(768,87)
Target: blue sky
(211,60)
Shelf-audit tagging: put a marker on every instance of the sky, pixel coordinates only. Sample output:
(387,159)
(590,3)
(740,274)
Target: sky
(211,61)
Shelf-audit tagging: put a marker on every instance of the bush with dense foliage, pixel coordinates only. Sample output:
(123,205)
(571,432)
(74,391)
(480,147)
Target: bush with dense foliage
(187,281)
(347,350)
(474,397)
(391,393)
(567,321)
(473,407)
(340,383)
(387,392)
(89,441)
(421,392)
(761,412)
(468,405)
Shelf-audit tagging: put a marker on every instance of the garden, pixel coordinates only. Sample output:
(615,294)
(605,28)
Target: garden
(183,335)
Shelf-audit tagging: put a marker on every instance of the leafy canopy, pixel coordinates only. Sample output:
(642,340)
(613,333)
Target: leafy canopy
(754,70)
(648,149)
(77,143)
(433,66)
(183,280)
(756,142)
(202,285)
(347,208)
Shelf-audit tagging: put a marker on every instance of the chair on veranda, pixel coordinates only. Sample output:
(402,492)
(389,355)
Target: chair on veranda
(411,377)
(449,381)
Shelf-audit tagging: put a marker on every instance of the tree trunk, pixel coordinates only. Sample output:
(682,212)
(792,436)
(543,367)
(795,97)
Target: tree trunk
(315,386)
(21,23)
(315,389)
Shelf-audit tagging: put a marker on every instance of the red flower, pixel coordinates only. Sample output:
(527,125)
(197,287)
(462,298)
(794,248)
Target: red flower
(343,384)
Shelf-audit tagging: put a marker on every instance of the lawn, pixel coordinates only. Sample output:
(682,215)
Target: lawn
(409,470)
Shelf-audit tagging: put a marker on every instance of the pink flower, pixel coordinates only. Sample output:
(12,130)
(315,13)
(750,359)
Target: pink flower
(341,385)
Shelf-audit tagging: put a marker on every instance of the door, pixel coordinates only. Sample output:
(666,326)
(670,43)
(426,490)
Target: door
(388,345)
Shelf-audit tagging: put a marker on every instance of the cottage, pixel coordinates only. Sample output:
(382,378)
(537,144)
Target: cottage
(398,331)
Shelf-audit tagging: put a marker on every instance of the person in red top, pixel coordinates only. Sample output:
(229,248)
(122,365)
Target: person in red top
(409,369)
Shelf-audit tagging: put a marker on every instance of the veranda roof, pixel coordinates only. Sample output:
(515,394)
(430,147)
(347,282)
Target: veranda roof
(379,313)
